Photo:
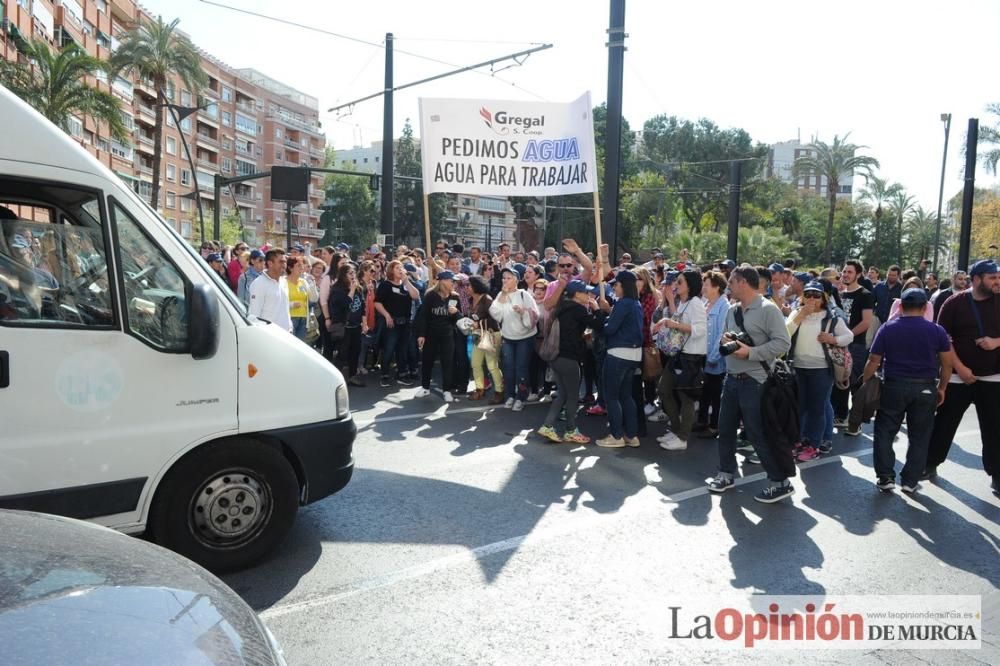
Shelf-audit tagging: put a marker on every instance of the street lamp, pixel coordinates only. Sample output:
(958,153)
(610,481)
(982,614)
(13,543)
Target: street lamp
(180,113)
(946,119)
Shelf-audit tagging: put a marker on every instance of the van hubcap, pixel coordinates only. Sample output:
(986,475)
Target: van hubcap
(230,508)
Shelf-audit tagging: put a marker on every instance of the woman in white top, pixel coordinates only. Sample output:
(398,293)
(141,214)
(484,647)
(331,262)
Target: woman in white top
(810,327)
(688,315)
(517,313)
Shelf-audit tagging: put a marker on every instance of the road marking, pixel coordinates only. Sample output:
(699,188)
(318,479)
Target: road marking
(513,543)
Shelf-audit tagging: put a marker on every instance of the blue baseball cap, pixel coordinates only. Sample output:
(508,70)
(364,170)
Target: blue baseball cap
(984,267)
(914,296)
(215,256)
(624,276)
(19,242)
(802,276)
(445,275)
(814,286)
(343,246)
(776,268)
(409,268)
(299,247)
(576,287)
(256,254)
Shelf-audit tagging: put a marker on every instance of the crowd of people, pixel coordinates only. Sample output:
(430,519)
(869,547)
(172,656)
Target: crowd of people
(769,360)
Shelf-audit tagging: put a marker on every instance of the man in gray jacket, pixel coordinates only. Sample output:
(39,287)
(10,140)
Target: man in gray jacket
(761,319)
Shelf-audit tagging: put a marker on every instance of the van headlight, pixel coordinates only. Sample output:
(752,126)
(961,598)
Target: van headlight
(343,407)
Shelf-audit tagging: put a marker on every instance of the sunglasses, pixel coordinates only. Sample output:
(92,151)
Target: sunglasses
(812,294)
(565,265)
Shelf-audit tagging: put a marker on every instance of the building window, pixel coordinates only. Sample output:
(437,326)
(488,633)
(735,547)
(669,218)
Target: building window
(227,119)
(227,144)
(227,165)
(366,160)
(185,177)
(227,94)
(186,125)
(171,173)
(246,124)
(102,5)
(171,200)
(185,205)
(278,155)
(171,145)
(185,98)
(277,132)
(75,127)
(171,90)
(102,144)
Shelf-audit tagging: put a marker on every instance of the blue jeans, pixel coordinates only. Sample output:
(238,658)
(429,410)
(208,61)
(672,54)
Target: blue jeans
(828,422)
(616,383)
(515,357)
(741,400)
(815,385)
(917,400)
(299,325)
(394,345)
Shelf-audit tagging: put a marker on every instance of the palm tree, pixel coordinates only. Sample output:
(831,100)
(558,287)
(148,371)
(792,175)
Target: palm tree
(834,161)
(56,86)
(877,192)
(991,136)
(154,50)
(921,228)
(900,203)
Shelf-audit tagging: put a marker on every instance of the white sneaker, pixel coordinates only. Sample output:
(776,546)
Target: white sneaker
(509,403)
(671,442)
(423,393)
(649,409)
(518,406)
(532,397)
(657,416)
(448,397)
(546,398)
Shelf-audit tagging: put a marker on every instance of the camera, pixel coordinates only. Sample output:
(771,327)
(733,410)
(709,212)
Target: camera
(730,342)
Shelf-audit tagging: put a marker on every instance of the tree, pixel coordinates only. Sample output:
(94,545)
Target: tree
(154,50)
(985,227)
(990,136)
(408,195)
(877,192)
(694,157)
(921,227)
(900,203)
(352,217)
(834,161)
(56,86)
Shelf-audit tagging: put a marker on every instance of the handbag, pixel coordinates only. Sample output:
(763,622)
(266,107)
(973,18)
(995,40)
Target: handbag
(312,327)
(652,367)
(671,341)
(486,341)
(690,372)
(337,331)
(840,360)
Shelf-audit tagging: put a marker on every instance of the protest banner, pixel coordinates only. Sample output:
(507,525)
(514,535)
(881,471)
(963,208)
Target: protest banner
(507,148)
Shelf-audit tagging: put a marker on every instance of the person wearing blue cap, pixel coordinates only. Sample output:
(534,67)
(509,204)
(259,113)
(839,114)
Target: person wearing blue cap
(972,319)
(813,329)
(434,326)
(253,271)
(917,356)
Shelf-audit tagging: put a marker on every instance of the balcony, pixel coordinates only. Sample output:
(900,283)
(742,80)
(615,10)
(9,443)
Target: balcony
(146,110)
(145,168)
(211,166)
(310,232)
(246,107)
(207,142)
(288,120)
(122,9)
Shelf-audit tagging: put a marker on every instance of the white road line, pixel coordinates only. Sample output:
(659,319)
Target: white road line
(513,543)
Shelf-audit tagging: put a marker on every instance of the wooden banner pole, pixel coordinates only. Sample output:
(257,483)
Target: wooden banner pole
(597,223)
(427,227)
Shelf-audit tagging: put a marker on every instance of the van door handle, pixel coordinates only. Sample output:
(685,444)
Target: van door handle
(4,369)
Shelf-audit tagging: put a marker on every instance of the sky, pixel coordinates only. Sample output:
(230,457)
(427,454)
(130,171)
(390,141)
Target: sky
(883,70)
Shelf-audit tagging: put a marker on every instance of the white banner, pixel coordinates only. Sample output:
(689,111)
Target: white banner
(507,148)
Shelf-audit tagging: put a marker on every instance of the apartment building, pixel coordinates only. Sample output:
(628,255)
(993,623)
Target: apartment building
(246,123)
(781,160)
(484,221)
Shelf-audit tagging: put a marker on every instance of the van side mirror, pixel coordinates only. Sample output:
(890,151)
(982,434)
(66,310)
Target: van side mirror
(203,322)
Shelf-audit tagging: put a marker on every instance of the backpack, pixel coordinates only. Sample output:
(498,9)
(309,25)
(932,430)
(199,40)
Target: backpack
(837,358)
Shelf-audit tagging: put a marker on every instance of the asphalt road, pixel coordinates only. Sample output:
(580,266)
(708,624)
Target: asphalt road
(465,539)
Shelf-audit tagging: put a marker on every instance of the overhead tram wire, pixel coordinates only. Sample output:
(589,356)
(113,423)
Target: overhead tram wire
(358,40)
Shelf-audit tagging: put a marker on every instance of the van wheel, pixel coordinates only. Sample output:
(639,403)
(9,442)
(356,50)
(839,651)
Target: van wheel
(227,505)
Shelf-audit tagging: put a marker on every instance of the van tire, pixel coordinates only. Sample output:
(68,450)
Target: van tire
(211,481)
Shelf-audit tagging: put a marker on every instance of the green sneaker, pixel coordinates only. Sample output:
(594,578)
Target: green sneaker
(576,437)
(549,433)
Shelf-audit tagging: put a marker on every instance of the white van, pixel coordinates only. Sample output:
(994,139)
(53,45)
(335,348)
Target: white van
(135,390)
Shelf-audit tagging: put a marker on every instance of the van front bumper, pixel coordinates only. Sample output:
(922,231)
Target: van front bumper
(324,455)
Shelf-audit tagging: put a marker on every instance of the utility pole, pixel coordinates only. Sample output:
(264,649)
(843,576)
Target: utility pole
(735,174)
(946,117)
(613,131)
(965,234)
(387,147)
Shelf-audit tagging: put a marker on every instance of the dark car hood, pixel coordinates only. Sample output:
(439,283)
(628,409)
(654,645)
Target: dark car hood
(71,592)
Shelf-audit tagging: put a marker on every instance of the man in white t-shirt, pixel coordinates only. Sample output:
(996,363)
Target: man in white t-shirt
(269,292)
